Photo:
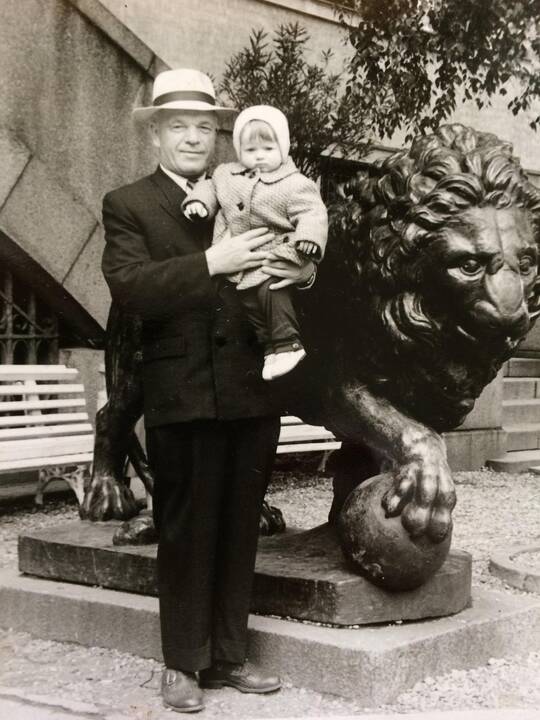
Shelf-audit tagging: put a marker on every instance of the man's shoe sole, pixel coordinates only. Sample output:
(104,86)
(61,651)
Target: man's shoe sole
(218,684)
(195,708)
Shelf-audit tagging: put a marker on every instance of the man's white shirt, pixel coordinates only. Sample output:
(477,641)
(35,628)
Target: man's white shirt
(182,182)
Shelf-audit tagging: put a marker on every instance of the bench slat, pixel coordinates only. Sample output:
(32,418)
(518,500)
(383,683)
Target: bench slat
(308,447)
(50,461)
(49,389)
(291,420)
(45,431)
(9,406)
(13,450)
(12,373)
(298,433)
(45,419)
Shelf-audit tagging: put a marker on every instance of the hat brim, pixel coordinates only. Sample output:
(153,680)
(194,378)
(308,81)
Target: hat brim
(145,113)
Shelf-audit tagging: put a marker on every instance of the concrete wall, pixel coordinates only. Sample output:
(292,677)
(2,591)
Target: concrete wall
(66,136)
(481,436)
(204,34)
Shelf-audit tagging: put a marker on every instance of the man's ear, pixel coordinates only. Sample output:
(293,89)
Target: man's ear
(154,134)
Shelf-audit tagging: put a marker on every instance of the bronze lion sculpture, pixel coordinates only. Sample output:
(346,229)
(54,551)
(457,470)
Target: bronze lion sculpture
(429,284)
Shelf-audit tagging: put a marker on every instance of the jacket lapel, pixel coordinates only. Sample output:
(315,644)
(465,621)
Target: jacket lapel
(171,196)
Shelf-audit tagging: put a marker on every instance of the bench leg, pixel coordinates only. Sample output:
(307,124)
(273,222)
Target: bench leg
(76,476)
(324,460)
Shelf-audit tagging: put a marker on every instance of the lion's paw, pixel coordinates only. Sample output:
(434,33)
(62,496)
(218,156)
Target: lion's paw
(106,498)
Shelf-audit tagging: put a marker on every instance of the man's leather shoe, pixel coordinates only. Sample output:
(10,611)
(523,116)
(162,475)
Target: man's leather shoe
(242,677)
(181,692)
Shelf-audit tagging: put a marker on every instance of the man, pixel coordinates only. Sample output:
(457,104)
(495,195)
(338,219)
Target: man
(211,424)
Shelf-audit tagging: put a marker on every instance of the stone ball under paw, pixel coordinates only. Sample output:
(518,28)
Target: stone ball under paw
(380,548)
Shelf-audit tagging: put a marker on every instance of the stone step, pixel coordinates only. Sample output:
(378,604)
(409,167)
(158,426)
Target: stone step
(372,664)
(515,412)
(516,388)
(515,462)
(523,367)
(522,436)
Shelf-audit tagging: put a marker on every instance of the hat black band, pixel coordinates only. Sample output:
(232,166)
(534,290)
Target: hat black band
(184,95)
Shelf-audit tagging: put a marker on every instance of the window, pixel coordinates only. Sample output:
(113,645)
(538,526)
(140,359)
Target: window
(29,332)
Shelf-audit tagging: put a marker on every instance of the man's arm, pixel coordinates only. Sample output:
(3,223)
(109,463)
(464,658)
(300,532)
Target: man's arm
(154,288)
(287,273)
(140,284)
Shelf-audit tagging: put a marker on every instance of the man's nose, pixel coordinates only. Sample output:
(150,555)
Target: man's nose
(192,134)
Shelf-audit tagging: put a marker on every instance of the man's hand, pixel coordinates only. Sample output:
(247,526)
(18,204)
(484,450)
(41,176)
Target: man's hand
(290,273)
(238,253)
(195,209)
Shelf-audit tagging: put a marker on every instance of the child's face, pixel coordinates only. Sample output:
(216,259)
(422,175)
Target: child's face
(264,155)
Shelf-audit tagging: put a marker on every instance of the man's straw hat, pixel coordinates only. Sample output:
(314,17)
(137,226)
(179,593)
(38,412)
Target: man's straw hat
(182,89)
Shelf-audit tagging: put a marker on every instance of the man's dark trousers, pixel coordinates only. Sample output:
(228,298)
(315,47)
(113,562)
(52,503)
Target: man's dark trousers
(211,477)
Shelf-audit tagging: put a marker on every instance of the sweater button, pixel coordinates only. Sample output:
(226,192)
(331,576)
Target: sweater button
(221,340)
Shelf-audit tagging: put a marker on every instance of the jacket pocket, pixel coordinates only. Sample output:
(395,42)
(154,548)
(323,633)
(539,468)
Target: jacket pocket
(164,348)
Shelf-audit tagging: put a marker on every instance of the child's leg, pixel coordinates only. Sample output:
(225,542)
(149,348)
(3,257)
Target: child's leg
(256,316)
(280,317)
(283,329)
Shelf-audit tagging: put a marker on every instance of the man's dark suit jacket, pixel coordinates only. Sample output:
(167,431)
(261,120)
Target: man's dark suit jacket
(201,357)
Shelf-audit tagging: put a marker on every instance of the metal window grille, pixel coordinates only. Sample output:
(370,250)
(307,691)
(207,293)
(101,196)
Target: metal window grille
(29,332)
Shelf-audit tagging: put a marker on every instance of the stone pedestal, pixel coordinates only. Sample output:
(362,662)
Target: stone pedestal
(300,575)
(372,664)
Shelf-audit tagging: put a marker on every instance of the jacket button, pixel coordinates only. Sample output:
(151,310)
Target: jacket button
(221,340)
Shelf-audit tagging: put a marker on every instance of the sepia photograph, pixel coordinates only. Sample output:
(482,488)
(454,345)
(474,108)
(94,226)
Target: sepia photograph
(270,359)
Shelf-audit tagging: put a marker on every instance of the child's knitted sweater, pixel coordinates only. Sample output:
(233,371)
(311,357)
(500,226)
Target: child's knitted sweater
(284,201)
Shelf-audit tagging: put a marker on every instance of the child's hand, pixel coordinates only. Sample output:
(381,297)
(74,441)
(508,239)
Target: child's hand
(195,209)
(308,248)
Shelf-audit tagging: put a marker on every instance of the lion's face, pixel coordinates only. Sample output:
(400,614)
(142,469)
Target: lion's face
(481,273)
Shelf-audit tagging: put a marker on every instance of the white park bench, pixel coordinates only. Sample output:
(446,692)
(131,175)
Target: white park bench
(44,425)
(298,437)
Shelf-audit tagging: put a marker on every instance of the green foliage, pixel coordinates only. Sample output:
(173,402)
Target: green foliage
(415,60)
(311,96)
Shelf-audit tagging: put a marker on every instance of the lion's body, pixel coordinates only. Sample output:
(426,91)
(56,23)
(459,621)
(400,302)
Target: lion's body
(428,285)
(386,310)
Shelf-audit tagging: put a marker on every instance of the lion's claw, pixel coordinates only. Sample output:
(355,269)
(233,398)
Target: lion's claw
(424,495)
(108,499)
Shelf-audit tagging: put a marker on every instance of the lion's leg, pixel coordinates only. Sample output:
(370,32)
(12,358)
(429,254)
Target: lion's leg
(423,491)
(108,496)
(271,521)
(140,463)
(349,466)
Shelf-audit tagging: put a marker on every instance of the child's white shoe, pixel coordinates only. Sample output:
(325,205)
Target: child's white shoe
(285,361)
(267,373)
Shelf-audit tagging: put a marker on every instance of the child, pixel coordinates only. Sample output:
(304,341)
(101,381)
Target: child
(265,189)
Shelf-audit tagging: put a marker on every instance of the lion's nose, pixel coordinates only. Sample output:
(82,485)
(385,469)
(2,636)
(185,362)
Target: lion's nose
(504,308)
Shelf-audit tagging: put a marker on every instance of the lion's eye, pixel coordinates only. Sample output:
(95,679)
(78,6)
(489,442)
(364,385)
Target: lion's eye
(526,264)
(470,266)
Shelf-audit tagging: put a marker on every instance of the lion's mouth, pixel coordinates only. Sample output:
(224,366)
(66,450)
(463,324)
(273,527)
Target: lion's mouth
(466,334)
(490,342)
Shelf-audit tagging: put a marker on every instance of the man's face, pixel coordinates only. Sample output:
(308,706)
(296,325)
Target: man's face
(185,140)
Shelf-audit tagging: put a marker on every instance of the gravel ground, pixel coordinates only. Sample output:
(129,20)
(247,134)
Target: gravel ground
(493,510)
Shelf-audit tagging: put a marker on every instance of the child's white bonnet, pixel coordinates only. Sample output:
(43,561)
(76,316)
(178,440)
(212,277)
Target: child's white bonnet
(271,115)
